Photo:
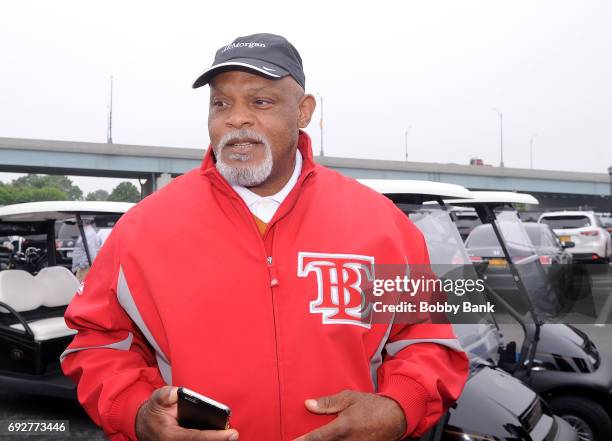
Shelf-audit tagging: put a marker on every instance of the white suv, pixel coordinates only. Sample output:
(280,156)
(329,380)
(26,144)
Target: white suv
(591,241)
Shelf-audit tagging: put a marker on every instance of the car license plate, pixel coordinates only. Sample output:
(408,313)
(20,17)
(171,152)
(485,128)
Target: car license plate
(565,238)
(496,261)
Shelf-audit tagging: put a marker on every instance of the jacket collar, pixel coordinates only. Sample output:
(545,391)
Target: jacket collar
(250,198)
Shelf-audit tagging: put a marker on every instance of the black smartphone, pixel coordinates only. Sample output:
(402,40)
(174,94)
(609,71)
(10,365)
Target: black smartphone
(195,411)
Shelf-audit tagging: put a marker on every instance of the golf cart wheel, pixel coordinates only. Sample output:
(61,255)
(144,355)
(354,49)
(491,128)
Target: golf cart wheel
(590,421)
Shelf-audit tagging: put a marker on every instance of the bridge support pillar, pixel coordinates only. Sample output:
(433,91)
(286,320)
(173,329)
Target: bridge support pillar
(148,187)
(155,182)
(163,180)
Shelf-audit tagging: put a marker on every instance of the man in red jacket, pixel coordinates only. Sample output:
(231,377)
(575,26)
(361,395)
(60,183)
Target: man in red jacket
(263,309)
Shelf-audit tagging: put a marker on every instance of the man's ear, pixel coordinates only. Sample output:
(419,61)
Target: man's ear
(306,108)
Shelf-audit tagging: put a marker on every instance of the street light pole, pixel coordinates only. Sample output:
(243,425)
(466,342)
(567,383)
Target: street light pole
(531,150)
(321,153)
(501,136)
(610,174)
(109,130)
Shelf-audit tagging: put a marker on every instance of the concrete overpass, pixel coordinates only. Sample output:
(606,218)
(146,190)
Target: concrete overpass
(157,164)
(153,164)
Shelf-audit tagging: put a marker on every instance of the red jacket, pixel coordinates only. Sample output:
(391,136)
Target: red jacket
(186,292)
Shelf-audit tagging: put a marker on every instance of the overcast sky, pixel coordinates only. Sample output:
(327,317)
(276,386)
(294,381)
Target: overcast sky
(438,67)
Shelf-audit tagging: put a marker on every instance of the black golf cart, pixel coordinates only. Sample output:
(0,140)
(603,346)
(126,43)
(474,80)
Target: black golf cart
(494,405)
(565,368)
(34,297)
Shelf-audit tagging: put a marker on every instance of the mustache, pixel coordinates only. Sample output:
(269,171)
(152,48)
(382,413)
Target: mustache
(241,135)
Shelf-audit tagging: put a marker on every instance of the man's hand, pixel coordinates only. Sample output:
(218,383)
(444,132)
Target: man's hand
(157,420)
(361,417)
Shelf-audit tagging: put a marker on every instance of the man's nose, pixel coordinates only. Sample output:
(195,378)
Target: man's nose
(239,116)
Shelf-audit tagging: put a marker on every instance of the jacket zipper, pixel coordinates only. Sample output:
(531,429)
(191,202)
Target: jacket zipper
(273,283)
(273,280)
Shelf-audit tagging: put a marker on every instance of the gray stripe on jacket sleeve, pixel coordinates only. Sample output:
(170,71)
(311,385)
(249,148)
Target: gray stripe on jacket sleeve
(396,346)
(124,296)
(123,345)
(376,360)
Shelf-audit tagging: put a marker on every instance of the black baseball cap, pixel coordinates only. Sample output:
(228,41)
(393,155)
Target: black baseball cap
(268,55)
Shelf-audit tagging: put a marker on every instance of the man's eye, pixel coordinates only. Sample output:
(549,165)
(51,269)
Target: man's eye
(262,102)
(219,103)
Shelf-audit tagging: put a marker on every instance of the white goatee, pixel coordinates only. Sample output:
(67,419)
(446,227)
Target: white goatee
(248,175)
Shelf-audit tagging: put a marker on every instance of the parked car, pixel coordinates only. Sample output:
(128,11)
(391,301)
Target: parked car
(568,281)
(583,228)
(547,244)
(483,247)
(606,222)
(466,220)
(33,333)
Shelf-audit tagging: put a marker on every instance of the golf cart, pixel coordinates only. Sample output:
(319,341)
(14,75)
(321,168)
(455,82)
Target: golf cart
(494,405)
(561,363)
(33,333)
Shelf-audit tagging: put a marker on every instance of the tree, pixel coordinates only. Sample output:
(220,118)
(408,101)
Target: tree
(15,195)
(62,183)
(125,192)
(42,194)
(32,187)
(98,195)
(7,194)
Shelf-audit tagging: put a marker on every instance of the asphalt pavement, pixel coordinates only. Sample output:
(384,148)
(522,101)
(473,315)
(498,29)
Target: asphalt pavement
(601,331)
(21,407)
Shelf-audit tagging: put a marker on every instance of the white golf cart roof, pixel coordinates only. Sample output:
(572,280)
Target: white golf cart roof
(568,213)
(495,197)
(59,210)
(406,186)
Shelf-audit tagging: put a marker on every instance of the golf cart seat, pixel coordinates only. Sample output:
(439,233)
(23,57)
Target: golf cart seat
(19,290)
(59,284)
(32,318)
(46,329)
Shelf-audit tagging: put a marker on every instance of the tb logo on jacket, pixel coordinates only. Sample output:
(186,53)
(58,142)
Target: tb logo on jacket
(340,298)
